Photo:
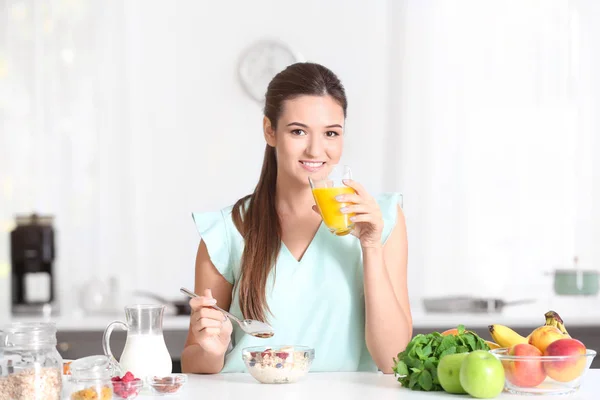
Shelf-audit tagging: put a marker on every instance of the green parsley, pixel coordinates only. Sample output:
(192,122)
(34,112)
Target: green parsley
(416,366)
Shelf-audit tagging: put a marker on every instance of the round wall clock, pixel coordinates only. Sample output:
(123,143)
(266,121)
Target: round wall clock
(261,62)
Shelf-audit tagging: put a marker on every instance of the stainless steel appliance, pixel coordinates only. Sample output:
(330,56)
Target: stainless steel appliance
(466,304)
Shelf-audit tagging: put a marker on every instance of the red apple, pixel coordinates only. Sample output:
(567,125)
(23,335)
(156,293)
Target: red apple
(568,369)
(528,372)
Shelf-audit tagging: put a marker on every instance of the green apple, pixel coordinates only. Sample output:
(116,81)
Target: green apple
(482,375)
(448,372)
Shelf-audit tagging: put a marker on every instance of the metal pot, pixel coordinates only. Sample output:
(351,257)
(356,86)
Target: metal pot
(575,281)
(569,282)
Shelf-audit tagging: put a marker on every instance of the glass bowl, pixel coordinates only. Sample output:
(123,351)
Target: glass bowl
(278,364)
(127,390)
(166,385)
(544,374)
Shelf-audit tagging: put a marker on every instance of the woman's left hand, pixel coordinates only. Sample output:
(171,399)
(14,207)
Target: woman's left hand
(368,221)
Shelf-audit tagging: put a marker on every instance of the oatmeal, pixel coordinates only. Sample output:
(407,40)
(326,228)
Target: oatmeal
(43,384)
(284,365)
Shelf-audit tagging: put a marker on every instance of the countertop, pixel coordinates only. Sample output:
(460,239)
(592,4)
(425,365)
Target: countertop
(336,386)
(575,311)
(522,317)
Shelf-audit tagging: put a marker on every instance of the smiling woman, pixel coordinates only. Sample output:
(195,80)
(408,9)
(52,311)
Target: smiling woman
(301,130)
(331,293)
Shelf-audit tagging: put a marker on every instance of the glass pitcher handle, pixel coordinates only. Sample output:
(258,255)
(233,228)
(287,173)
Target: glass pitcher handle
(106,337)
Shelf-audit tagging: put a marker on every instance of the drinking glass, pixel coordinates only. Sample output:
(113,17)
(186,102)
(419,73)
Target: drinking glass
(325,189)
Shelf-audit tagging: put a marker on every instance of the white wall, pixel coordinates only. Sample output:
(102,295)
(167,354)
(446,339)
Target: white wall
(495,142)
(196,138)
(171,130)
(134,117)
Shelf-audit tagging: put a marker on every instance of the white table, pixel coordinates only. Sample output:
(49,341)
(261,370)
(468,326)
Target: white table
(333,386)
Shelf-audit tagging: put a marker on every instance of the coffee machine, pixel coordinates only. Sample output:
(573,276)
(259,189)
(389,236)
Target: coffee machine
(32,254)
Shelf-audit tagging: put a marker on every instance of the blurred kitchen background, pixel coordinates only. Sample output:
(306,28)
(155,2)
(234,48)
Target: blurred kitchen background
(118,119)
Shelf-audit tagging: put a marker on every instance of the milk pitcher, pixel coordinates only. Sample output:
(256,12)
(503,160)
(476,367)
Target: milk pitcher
(145,353)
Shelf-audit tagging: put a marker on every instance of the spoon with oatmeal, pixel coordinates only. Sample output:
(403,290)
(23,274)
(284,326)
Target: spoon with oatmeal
(250,326)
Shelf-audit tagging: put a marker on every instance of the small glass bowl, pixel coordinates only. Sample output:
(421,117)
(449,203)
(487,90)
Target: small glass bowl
(527,375)
(278,364)
(127,390)
(166,385)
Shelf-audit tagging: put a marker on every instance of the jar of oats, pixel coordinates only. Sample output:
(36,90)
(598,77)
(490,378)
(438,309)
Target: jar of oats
(30,365)
(91,378)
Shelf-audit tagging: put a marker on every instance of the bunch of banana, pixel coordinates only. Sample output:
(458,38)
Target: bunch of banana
(506,337)
(553,319)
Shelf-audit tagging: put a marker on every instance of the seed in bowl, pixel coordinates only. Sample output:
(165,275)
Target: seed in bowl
(167,384)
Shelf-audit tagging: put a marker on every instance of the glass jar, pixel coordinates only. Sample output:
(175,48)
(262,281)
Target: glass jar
(30,365)
(91,378)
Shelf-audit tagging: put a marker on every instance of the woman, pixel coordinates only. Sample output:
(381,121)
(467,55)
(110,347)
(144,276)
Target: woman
(269,257)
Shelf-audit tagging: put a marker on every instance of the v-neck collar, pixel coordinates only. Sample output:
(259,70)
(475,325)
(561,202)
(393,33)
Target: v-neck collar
(308,248)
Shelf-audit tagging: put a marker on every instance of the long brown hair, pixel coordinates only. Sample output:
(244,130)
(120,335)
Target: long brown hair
(259,222)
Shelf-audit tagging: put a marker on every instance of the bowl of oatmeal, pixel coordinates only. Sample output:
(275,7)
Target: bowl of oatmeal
(278,364)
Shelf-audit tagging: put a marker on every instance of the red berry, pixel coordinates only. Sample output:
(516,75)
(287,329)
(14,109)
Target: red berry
(128,377)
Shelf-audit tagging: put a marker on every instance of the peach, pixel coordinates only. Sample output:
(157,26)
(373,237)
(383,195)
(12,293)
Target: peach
(544,335)
(568,369)
(527,372)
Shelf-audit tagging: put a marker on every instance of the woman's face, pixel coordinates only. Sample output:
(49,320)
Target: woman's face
(309,137)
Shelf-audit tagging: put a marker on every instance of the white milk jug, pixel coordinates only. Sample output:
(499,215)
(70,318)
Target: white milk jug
(145,353)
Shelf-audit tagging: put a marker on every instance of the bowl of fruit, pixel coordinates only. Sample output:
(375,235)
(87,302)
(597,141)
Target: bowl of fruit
(547,361)
(127,386)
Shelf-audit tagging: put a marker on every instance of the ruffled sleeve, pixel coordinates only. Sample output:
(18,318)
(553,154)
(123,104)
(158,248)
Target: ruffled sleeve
(213,230)
(388,204)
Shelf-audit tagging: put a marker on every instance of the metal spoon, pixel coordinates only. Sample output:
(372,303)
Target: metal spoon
(250,326)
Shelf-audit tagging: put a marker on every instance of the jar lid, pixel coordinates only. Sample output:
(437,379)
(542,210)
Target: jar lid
(28,334)
(93,367)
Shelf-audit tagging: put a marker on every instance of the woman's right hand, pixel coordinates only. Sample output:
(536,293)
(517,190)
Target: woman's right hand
(211,328)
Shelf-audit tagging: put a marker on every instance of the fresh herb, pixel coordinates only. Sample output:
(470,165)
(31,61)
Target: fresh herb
(417,365)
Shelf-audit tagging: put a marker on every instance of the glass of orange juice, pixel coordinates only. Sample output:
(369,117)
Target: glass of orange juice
(324,190)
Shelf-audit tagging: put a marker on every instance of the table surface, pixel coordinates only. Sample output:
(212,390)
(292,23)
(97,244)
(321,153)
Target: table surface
(337,386)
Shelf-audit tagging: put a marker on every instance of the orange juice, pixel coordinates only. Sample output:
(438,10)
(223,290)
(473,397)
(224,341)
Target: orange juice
(336,221)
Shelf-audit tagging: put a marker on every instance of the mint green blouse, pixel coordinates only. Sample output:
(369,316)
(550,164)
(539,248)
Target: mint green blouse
(316,302)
